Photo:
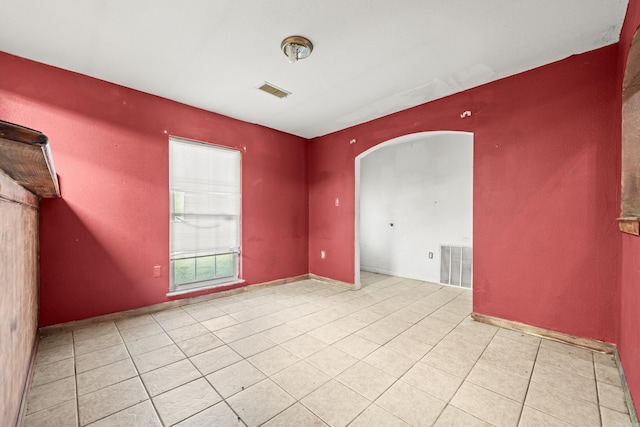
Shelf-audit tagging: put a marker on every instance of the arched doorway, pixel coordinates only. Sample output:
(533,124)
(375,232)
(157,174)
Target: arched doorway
(413,207)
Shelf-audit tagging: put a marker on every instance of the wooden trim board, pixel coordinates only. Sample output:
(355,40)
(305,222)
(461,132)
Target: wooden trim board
(546,333)
(68,326)
(83,323)
(600,346)
(25,156)
(332,281)
(629,225)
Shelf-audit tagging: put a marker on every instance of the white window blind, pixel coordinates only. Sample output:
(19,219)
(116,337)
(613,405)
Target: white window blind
(205,214)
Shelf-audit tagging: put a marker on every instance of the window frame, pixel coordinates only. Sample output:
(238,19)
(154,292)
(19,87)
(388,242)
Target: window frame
(173,217)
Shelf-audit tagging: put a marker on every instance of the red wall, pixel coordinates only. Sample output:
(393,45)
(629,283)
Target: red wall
(545,193)
(110,148)
(629,335)
(546,148)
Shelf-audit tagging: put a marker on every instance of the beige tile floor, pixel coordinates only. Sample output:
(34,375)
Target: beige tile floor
(396,353)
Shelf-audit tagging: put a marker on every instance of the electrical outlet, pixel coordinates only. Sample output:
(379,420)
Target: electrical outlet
(430,255)
(322,255)
(157,271)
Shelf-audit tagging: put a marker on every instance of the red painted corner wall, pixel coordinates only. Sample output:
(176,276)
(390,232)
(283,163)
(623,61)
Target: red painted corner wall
(546,148)
(99,242)
(629,328)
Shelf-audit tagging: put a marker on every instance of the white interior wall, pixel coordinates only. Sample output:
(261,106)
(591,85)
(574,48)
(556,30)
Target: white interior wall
(424,187)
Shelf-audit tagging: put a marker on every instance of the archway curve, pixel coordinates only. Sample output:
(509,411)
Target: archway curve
(408,138)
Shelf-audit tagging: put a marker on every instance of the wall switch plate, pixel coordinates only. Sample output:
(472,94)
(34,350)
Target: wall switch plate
(430,255)
(157,271)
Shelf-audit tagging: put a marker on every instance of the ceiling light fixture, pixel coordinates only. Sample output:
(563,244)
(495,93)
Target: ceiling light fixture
(296,47)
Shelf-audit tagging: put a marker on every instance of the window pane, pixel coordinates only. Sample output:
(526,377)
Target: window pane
(178,206)
(205,268)
(205,213)
(225,265)
(184,270)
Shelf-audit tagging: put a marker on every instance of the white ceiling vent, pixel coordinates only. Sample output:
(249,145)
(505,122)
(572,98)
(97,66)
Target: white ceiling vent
(273,90)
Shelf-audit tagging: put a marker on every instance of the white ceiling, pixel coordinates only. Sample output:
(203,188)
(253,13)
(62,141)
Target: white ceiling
(371,57)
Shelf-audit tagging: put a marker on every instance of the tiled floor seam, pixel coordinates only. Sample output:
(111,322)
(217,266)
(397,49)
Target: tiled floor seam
(202,375)
(468,373)
(400,377)
(321,302)
(224,399)
(352,333)
(524,398)
(75,377)
(595,379)
(373,402)
(155,410)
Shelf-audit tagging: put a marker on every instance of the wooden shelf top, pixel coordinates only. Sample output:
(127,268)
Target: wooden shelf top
(26,158)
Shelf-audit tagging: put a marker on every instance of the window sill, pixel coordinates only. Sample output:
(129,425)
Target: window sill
(629,225)
(205,288)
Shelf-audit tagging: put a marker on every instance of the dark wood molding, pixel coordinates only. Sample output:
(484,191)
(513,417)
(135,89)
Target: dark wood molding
(546,333)
(25,157)
(629,225)
(22,134)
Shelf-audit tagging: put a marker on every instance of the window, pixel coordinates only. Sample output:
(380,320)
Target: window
(204,182)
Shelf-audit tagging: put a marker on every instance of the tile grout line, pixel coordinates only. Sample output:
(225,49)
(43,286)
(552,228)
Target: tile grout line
(37,364)
(360,360)
(320,309)
(467,375)
(413,365)
(119,382)
(526,393)
(188,382)
(202,375)
(324,307)
(595,379)
(75,376)
(418,361)
(296,400)
(332,378)
(434,346)
(124,343)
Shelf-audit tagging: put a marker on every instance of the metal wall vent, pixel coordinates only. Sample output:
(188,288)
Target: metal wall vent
(273,90)
(455,265)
